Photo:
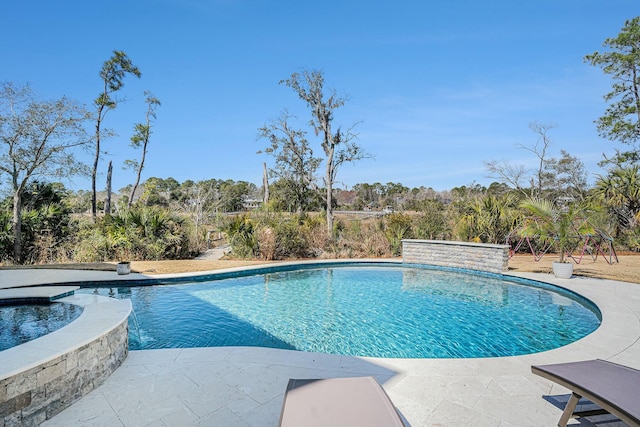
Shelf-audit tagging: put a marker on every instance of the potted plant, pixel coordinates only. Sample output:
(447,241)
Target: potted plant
(559,226)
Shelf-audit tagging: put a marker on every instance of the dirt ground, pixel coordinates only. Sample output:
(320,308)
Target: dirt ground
(627,269)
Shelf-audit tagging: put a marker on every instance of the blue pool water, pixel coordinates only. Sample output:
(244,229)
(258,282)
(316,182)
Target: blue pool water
(26,322)
(361,311)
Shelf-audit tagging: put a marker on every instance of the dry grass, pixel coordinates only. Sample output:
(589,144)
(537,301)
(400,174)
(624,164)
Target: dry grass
(187,265)
(627,269)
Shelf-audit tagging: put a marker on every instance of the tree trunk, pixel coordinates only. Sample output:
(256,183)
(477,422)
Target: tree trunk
(107,203)
(329,184)
(94,172)
(139,174)
(135,185)
(265,184)
(94,204)
(17,226)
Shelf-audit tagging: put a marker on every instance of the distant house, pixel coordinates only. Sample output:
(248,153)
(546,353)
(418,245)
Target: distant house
(251,204)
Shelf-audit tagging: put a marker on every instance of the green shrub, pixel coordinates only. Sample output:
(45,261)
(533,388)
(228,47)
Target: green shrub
(6,236)
(241,234)
(144,233)
(286,236)
(432,223)
(398,227)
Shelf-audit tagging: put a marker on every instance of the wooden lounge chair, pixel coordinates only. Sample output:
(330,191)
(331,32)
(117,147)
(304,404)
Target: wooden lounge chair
(353,402)
(612,387)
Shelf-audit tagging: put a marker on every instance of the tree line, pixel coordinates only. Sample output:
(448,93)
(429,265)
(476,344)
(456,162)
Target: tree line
(173,220)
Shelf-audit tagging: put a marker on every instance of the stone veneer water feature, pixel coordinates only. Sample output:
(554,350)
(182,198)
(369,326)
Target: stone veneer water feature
(42,377)
(444,253)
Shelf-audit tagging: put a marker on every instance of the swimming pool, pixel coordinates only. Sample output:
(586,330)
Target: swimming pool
(21,323)
(361,310)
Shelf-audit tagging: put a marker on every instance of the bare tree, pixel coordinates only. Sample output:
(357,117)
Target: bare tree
(37,139)
(518,175)
(294,158)
(539,149)
(339,146)
(503,171)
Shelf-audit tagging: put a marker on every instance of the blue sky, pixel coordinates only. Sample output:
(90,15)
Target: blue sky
(437,87)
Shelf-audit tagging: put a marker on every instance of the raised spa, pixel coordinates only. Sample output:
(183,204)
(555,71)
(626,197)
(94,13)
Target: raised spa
(25,322)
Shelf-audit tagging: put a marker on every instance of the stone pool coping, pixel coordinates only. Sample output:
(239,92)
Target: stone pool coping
(35,294)
(492,391)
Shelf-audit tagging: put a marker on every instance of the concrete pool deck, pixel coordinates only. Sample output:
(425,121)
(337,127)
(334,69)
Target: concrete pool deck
(241,386)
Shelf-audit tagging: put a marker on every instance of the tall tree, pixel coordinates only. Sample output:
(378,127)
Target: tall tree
(37,139)
(295,163)
(158,191)
(338,146)
(539,180)
(194,202)
(621,120)
(566,176)
(368,195)
(140,138)
(112,74)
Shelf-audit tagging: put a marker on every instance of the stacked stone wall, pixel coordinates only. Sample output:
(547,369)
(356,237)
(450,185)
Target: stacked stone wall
(472,256)
(30,397)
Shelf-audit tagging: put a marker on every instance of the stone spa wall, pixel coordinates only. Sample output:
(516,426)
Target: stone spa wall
(472,256)
(38,390)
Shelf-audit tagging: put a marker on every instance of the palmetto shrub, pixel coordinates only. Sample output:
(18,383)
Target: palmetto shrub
(143,233)
(487,219)
(240,231)
(273,236)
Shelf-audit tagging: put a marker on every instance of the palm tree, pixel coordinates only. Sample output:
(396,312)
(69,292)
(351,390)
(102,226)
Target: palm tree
(557,225)
(620,191)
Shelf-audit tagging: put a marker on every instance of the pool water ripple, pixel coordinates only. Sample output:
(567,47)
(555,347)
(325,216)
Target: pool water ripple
(362,311)
(21,323)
